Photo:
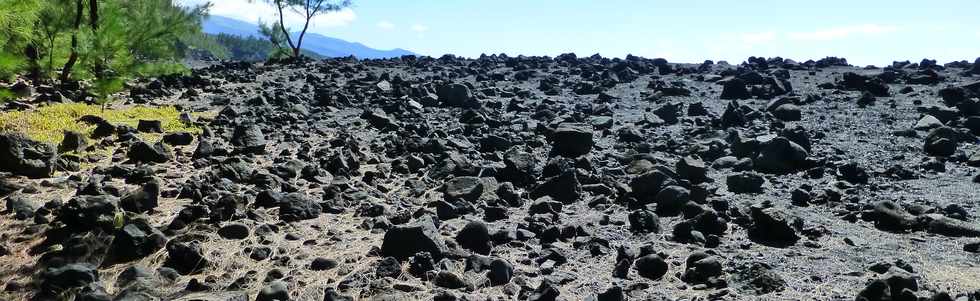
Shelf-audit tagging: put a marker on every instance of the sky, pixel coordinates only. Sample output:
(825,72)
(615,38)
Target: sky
(688,31)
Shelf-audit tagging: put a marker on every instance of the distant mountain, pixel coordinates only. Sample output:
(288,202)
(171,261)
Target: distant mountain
(218,24)
(322,45)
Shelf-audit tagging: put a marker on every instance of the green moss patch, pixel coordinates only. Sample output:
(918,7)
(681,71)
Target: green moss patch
(48,123)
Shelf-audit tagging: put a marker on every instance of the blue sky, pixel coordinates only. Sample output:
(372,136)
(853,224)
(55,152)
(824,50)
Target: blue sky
(863,31)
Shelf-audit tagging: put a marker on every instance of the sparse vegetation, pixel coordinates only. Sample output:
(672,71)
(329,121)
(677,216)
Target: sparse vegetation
(6,95)
(228,47)
(103,40)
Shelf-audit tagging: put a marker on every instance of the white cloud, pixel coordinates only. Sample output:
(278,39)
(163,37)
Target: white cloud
(386,25)
(419,30)
(339,18)
(842,32)
(253,11)
(757,37)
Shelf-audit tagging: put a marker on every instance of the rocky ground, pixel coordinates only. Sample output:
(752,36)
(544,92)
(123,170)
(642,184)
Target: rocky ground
(512,178)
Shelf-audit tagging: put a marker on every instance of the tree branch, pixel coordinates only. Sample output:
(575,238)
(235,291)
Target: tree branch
(282,25)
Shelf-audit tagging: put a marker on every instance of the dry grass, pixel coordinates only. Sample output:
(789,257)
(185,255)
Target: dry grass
(19,236)
(954,278)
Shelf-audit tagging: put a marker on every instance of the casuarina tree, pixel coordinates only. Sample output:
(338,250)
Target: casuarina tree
(308,9)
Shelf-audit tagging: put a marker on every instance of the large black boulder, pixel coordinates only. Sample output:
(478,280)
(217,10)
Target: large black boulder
(500,272)
(857,82)
(142,200)
(274,291)
(475,236)
(772,226)
(457,95)
(72,142)
(297,206)
(651,266)
(463,188)
(134,241)
(780,155)
(22,156)
(564,188)
(404,241)
(735,89)
(572,139)
(249,138)
(145,153)
(185,257)
(60,279)
(86,212)
(149,126)
(745,182)
(519,167)
(646,186)
(941,141)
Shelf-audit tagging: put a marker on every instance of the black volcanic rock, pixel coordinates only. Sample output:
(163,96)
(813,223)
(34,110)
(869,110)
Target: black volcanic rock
(856,82)
(134,241)
(150,126)
(671,199)
(179,138)
(651,266)
(26,157)
(75,275)
(297,206)
(143,199)
(941,141)
(733,115)
(249,138)
(745,182)
(89,212)
(185,257)
(501,272)
(780,155)
(404,241)
(735,89)
(572,139)
(72,142)
(564,188)
(692,169)
(524,177)
(546,291)
(647,185)
(233,231)
(787,112)
(145,153)
(204,149)
(772,226)
(475,237)
(464,188)
(644,221)
(457,95)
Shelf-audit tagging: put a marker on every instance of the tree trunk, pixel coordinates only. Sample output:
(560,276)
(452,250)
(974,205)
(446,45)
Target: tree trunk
(93,14)
(35,66)
(50,56)
(299,42)
(282,26)
(73,57)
